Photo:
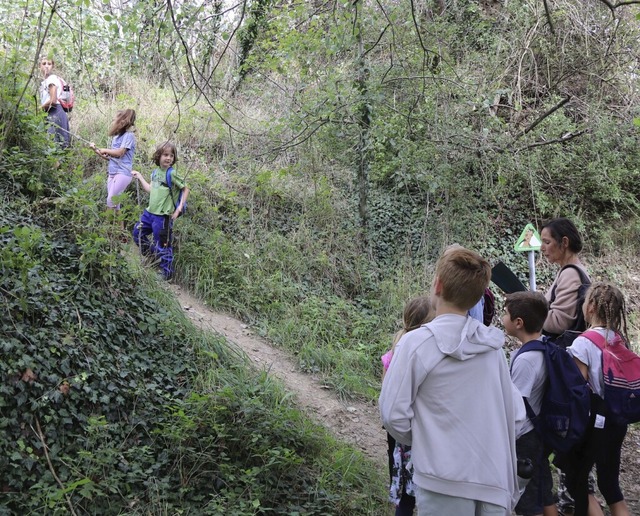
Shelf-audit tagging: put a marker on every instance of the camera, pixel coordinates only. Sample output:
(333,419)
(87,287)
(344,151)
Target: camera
(525,468)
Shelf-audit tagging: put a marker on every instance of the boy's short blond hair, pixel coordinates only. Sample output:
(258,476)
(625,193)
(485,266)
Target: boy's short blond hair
(464,276)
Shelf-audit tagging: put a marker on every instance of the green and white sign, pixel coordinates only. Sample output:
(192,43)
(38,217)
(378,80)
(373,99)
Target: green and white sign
(529,240)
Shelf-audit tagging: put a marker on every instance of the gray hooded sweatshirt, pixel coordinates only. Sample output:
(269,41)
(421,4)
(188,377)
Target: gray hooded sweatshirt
(448,393)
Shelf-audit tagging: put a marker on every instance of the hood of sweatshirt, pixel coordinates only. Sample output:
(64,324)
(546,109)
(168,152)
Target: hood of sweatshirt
(463,337)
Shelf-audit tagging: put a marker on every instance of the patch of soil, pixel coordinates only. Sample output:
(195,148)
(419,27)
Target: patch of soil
(355,422)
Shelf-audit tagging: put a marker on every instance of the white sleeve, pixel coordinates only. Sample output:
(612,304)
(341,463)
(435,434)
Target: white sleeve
(406,373)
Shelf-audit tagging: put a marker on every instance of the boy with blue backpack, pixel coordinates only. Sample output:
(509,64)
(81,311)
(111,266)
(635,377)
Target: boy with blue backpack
(525,313)
(556,395)
(167,200)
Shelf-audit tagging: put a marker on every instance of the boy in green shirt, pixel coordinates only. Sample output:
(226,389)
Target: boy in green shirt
(166,203)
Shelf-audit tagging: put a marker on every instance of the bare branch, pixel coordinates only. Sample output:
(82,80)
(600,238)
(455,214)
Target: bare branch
(613,6)
(229,40)
(45,448)
(610,6)
(435,78)
(378,40)
(544,115)
(298,139)
(391,45)
(415,24)
(563,139)
(191,67)
(547,11)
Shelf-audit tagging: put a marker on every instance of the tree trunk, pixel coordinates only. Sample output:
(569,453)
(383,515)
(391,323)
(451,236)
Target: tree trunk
(363,117)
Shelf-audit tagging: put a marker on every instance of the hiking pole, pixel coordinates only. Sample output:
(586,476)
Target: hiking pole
(85,141)
(75,135)
(82,139)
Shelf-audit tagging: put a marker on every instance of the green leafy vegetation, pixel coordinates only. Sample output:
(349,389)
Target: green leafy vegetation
(112,403)
(333,150)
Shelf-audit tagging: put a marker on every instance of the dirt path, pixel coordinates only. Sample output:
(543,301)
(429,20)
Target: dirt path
(355,423)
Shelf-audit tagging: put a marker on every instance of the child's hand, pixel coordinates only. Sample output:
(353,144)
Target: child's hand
(92,145)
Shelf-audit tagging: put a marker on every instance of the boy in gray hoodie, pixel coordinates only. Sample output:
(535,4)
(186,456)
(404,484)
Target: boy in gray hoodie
(448,393)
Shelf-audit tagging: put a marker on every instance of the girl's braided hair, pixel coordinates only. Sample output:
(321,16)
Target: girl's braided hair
(609,307)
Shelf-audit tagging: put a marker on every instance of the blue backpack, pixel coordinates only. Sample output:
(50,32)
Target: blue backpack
(564,414)
(167,183)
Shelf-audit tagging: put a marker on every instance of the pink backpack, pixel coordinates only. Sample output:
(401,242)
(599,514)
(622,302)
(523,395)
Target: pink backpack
(621,371)
(67,96)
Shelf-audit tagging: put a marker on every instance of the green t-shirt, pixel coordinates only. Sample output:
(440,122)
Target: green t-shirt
(160,202)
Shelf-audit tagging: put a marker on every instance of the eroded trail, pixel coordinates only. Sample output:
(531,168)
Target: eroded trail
(354,422)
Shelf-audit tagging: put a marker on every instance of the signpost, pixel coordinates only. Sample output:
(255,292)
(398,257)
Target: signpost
(530,242)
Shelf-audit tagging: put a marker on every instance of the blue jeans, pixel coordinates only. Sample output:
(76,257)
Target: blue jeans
(160,227)
(59,126)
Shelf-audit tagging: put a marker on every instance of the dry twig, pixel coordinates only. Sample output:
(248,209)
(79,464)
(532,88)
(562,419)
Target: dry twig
(40,435)
(563,139)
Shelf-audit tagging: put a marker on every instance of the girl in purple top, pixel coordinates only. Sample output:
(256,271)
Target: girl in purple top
(120,155)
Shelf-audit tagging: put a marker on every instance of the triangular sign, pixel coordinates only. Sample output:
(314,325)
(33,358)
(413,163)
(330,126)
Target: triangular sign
(529,240)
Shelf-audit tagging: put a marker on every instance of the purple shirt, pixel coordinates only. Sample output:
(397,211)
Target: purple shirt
(124,164)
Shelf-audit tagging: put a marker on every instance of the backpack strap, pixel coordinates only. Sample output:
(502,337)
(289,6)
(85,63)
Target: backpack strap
(583,279)
(168,183)
(532,345)
(601,341)
(596,338)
